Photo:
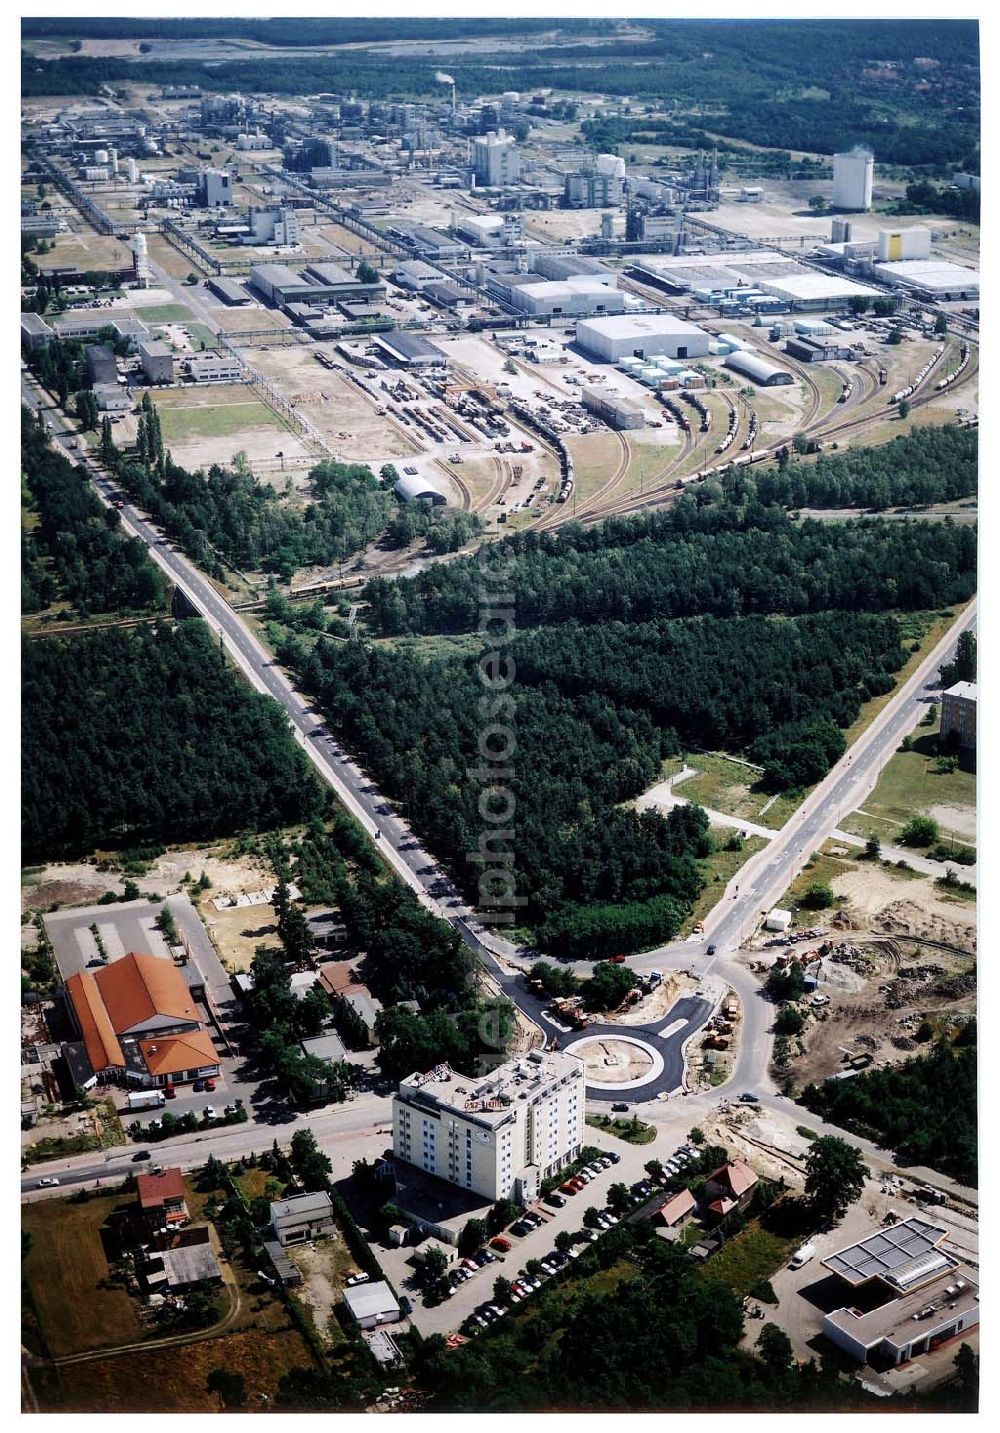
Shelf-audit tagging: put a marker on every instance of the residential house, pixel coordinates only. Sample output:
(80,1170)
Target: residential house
(730,1188)
(161,1199)
(303,1217)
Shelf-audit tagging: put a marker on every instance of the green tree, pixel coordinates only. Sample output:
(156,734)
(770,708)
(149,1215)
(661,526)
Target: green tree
(835,1176)
(619,1198)
(367,274)
(873,848)
(591,1217)
(919,831)
(774,1349)
(473,1236)
(229,1385)
(564,1240)
(903,408)
(963,667)
(789,1021)
(697,1137)
(501,1290)
(654,1168)
(817,897)
(608,985)
(308,1160)
(431,1266)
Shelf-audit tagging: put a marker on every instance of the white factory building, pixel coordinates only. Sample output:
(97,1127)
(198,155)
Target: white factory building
(641,336)
(569,298)
(936,278)
(903,244)
(495,159)
(853,174)
(497,1136)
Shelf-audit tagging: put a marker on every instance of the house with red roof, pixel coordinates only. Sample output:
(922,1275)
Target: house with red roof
(138,1023)
(730,1187)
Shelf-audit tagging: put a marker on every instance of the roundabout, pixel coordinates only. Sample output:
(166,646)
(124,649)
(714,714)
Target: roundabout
(616,1062)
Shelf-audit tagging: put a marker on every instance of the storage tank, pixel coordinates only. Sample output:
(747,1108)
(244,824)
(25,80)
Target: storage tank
(101,156)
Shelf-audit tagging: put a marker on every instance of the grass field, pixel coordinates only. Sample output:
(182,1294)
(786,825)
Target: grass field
(172,1380)
(909,785)
(631,1131)
(733,788)
(64,1268)
(754,1254)
(820,870)
(927,628)
(164,313)
(223,420)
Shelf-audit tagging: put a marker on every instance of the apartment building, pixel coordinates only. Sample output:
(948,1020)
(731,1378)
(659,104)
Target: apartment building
(497,1136)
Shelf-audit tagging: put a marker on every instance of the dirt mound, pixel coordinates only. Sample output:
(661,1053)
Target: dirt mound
(64,893)
(907,918)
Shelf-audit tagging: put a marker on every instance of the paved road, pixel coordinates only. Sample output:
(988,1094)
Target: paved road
(761,882)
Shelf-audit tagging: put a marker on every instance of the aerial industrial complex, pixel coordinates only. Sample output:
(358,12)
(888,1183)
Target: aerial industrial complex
(299,367)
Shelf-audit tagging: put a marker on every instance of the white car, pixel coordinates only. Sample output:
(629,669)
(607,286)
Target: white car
(209,1112)
(48,1182)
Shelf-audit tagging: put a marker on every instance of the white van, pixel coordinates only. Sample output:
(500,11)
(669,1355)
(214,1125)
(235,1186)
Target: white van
(802,1256)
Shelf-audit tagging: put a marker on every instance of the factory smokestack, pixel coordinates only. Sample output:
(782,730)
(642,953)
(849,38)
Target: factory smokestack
(444,79)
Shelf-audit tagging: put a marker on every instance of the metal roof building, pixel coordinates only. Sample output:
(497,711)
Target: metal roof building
(410,350)
(757,370)
(371,1304)
(417,489)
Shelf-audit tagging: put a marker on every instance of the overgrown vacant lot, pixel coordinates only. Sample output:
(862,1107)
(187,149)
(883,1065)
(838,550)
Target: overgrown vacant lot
(64,1268)
(172,1380)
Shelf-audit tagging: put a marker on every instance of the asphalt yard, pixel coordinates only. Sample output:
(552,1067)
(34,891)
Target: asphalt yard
(454,1311)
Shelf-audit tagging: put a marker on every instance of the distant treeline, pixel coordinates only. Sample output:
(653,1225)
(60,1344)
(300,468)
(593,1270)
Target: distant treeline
(929,465)
(757,67)
(923,1109)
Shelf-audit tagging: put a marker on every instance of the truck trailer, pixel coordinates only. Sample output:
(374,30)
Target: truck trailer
(146,1099)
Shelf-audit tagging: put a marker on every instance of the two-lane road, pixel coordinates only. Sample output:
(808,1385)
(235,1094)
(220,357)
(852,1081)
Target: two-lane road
(760,883)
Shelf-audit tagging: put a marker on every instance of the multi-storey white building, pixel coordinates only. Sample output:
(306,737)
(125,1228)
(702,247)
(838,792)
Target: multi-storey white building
(852,179)
(497,1136)
(495,159)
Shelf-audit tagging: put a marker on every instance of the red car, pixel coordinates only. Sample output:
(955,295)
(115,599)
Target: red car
(170,1092)
(209,1084)
(504,1245)
(568,1188)
(578,1183)
(616,960)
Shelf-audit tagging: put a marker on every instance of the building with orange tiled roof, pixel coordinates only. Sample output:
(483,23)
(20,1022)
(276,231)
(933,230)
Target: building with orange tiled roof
(179,1058)
(138,1022)
(730,1187)
(162,1199)
(146,994)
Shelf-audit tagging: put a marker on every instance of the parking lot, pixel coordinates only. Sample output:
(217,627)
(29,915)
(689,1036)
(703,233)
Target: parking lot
(537,1244)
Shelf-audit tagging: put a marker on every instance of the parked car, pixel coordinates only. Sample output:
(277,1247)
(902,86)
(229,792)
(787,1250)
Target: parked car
(198,1086)
(170,1092)
(140,1154)
(355,1279)
(533,1221)
(209,1112)
(619,1107)
(747,1098)
(504,1245)
(556,1200)
(209,1085)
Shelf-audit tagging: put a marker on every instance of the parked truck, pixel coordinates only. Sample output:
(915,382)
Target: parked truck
(146,1099)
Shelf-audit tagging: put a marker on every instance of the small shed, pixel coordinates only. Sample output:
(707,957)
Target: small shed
(778,920)
(372,1304)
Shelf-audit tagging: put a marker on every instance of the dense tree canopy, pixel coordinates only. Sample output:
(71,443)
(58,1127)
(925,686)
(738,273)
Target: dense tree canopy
(710,554)
(925,1108)
(149,735)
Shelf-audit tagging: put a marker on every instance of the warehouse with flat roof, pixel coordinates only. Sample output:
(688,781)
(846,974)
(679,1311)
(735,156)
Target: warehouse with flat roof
(935,277)
(640,336)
